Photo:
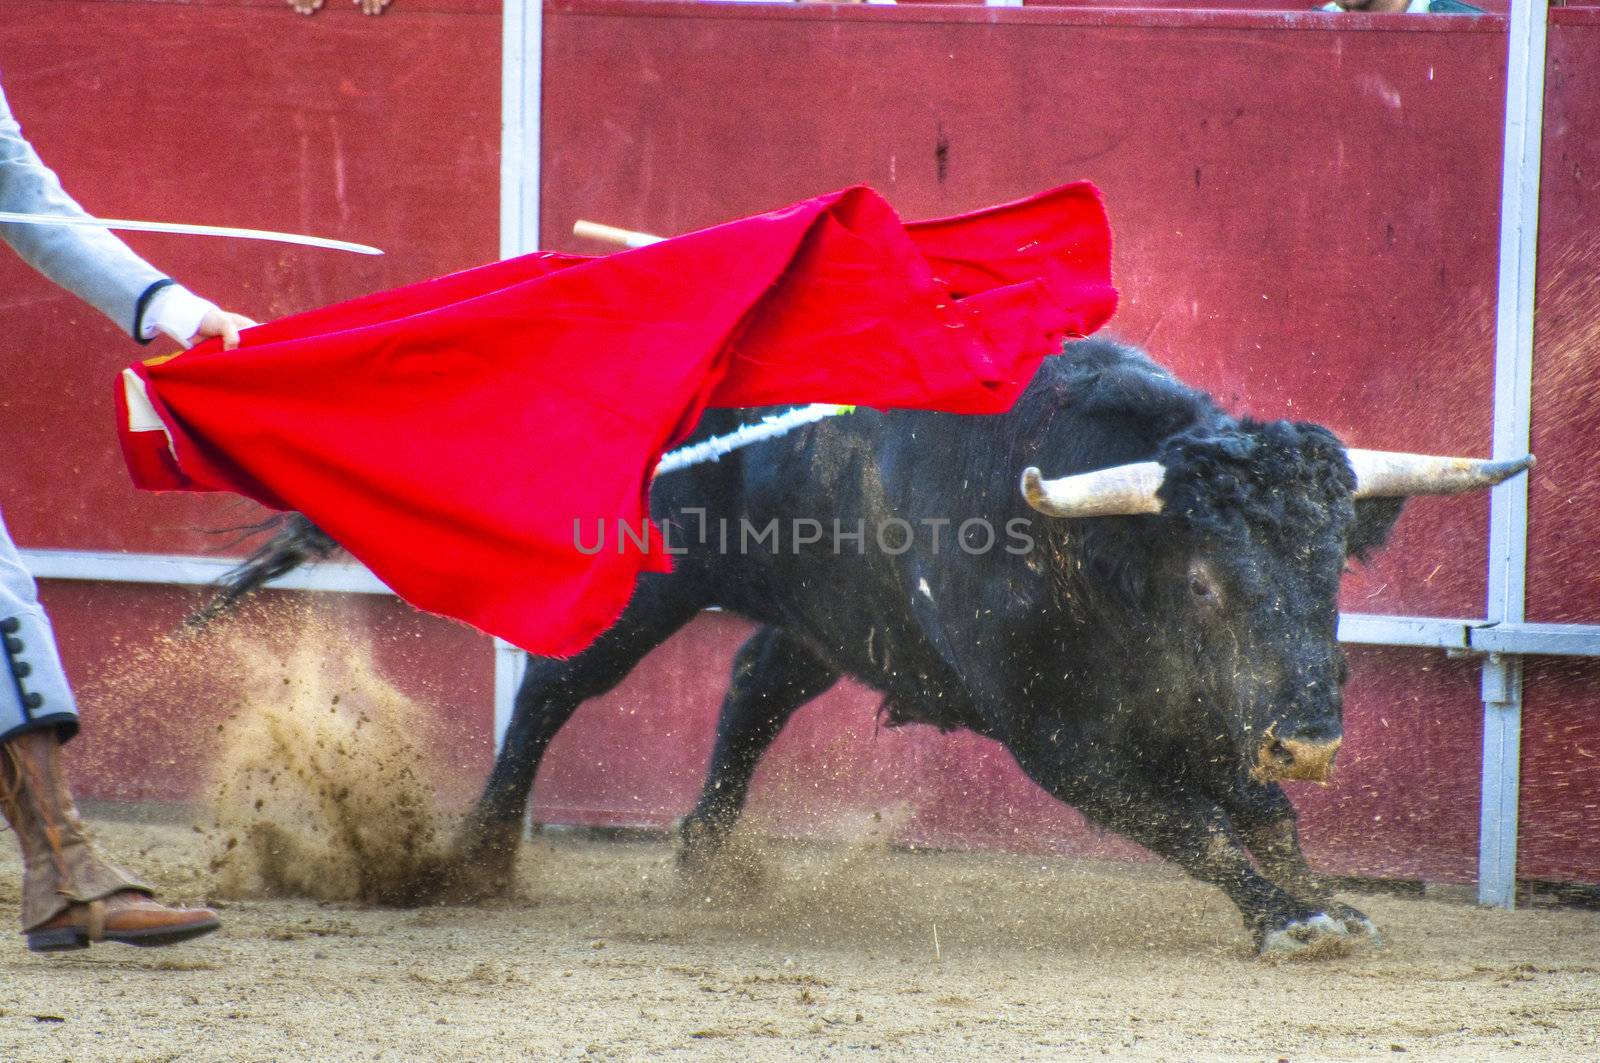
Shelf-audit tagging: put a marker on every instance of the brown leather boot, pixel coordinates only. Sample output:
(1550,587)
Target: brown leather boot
(71,897)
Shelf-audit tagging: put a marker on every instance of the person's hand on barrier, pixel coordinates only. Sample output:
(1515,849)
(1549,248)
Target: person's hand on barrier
(311,7)
(1414,7)
(221,323)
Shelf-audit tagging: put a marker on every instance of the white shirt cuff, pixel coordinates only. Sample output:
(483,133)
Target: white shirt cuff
(176,311)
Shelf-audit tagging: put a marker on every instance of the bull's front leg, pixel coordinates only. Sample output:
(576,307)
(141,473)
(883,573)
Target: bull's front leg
(1193,831)
(1265,820)
(482,862)
(773,675)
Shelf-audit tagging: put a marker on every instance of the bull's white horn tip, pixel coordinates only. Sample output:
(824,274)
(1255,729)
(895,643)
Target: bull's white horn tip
(1498,472)
(1032,485)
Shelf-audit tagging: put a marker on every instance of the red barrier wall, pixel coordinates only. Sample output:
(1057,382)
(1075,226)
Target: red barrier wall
(1564,583)
(1306,208)
(1560,805)
(383,130)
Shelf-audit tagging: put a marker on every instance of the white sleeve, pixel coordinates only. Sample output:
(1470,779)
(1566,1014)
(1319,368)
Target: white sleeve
(176,311)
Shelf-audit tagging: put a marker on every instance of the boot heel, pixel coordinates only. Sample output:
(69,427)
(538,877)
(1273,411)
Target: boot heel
(61,939)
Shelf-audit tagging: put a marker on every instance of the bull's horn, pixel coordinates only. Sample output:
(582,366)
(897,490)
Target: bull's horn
(1391,474)
(1125,490)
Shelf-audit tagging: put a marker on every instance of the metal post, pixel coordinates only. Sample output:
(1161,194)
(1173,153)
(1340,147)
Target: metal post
(1502,759)
(1508,507)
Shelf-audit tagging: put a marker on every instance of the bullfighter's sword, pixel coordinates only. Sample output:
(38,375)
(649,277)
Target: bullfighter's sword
(186,229)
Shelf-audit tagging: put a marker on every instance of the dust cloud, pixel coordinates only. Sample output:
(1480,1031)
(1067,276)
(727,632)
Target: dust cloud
(314,775)
(321,785)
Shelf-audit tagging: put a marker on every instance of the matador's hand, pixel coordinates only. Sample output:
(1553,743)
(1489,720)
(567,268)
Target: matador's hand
(221,323)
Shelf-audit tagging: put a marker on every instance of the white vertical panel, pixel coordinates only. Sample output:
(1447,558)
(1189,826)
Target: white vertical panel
(521,77)
(1513,396)
(521,68)
(509,664)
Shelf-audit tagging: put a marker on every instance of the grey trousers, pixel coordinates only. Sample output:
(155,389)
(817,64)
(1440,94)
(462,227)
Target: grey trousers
(33,688)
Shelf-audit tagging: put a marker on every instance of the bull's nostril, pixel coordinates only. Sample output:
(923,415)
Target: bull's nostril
(1291,758)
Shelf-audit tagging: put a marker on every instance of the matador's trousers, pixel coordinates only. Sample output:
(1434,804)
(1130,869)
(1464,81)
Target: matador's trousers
(33,688)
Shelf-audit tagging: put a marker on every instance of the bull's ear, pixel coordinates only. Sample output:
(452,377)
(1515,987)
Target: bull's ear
(1375,519)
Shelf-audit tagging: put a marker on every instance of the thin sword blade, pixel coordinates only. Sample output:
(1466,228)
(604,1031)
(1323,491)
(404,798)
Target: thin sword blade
(188,230)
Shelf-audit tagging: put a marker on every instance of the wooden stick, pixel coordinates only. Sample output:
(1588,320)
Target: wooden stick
(610,234)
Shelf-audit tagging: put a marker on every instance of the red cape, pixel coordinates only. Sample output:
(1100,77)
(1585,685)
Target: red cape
(449,433)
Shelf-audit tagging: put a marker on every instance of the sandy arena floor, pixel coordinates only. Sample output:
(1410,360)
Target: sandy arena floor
(609,954)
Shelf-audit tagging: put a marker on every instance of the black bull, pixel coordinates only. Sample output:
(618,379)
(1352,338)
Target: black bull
(1158,672)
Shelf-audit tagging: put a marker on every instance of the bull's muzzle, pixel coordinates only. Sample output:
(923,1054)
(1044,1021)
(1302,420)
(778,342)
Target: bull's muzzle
(1278,759)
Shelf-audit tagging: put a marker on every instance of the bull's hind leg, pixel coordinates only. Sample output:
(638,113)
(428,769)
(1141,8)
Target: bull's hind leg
(773,675)
(551,692)
(1265,820)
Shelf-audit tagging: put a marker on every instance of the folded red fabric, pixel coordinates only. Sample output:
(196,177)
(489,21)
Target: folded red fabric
(449,433)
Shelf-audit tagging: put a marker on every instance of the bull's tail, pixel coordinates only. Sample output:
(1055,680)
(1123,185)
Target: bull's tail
(295,541)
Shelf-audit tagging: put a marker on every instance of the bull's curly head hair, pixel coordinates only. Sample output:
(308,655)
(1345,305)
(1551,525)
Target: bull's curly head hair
(1278,479)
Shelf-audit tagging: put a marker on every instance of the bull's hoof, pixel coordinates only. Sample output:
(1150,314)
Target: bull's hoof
(1361,929)
(468,884)
(725,868)
(481,866)
(696,861)
(700,849)
(1312,936)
